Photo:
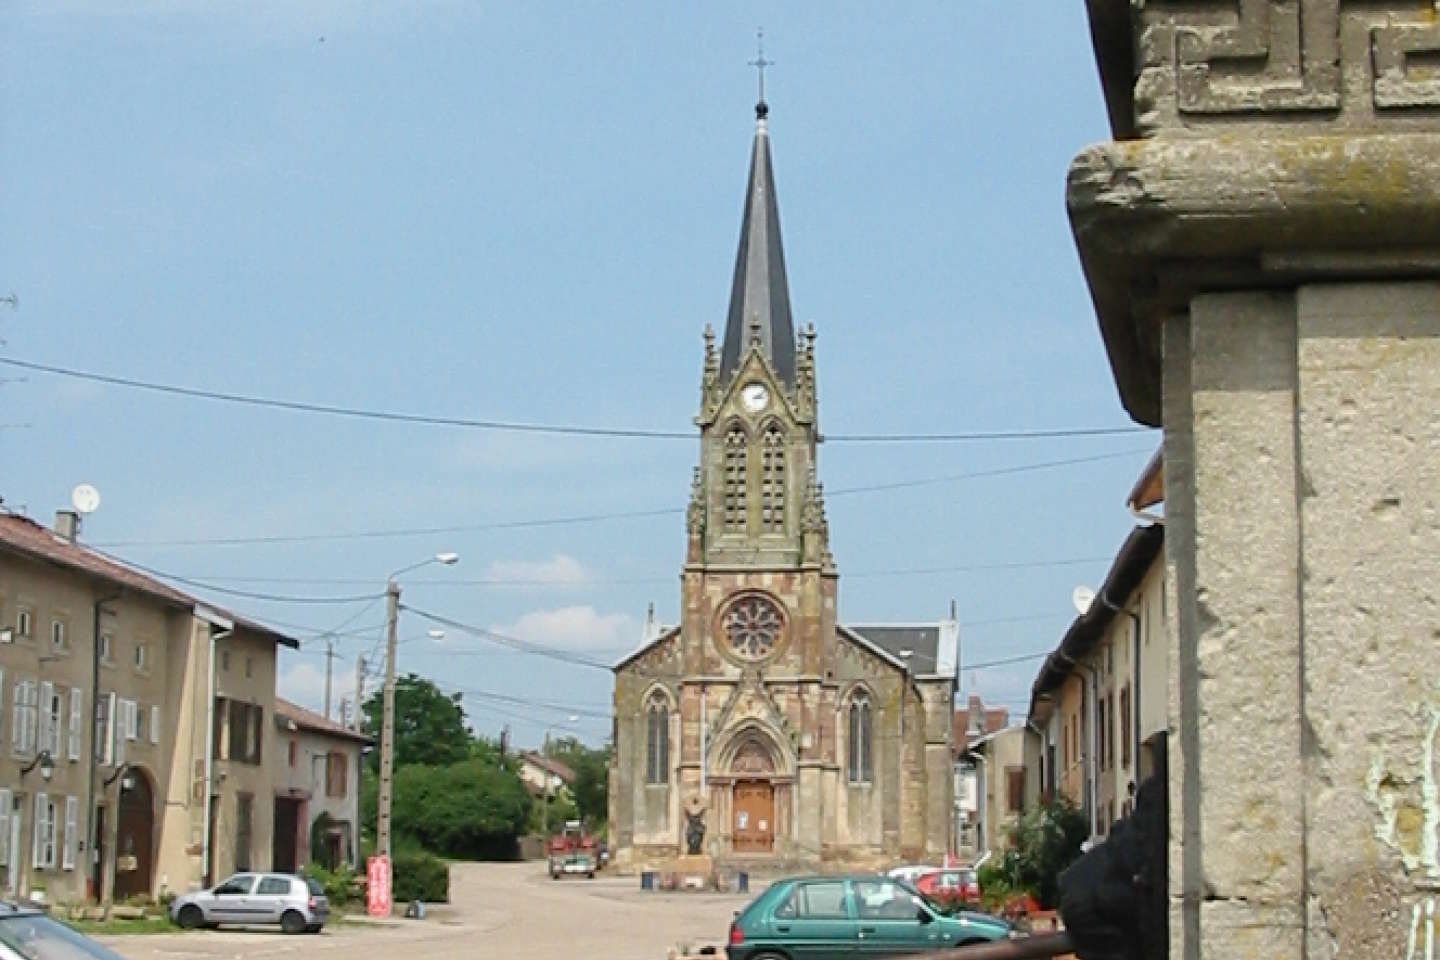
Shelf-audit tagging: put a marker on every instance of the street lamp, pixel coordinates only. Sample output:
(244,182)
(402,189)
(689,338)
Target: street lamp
(45,762)
(387,726)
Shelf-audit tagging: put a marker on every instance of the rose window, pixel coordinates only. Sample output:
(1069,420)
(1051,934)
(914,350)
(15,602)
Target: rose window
(752,627)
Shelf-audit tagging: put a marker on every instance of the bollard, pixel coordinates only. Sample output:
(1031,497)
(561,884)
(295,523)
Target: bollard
(647,879)
(742,882)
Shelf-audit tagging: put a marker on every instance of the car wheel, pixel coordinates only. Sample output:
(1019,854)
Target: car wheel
(293,921)
(189,917)
(314,928)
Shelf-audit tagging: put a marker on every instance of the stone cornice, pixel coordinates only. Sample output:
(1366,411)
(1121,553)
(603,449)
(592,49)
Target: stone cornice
(1159,220)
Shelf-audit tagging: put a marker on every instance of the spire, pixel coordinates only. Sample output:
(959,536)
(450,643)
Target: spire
(760,294)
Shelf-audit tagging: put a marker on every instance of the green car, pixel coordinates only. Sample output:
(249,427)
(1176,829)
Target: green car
(850,918)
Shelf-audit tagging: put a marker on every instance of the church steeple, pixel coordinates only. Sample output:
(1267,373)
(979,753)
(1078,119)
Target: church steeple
(760,294)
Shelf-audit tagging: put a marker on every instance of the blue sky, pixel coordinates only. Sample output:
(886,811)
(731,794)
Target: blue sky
(529,212)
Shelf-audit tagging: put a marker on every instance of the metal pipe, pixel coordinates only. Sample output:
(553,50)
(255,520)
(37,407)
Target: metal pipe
(205,852)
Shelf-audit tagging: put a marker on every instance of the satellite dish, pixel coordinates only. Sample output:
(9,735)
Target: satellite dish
(85,498)
(1083,597)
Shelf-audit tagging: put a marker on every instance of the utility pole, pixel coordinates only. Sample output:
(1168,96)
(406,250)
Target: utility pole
(355,721)
(387,726)
(329,659)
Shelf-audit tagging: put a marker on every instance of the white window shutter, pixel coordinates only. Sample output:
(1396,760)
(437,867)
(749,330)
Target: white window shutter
(2,696)
(132,720)
(6,800)
(155,723)
(77,720)
(112,730)
(37,853)
(72,817)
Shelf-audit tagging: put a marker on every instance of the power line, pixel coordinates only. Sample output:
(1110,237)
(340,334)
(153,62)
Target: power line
(391,416)
(1007,661)
(599,517)
(540,649)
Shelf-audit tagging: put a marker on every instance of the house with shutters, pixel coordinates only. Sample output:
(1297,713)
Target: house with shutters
(132,726)
(317,789)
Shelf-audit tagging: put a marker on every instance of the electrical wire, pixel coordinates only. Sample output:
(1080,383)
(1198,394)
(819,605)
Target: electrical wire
(598,517)
(337,410)
(528,646)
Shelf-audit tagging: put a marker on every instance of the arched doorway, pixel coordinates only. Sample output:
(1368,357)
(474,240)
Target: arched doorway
(753,800)
(134,836)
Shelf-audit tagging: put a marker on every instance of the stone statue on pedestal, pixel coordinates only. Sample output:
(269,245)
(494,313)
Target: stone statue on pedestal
(694,826)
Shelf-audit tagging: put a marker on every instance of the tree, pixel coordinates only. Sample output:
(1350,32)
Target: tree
(429,724)
(592,777)
(471,810)
(1045,841)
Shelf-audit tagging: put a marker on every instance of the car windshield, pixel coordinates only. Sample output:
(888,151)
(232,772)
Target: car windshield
(37,937)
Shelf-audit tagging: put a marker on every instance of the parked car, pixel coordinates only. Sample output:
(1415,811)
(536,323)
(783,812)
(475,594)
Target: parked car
(949,884)
(842,918)
(26,933)
(247,899)
(910,871)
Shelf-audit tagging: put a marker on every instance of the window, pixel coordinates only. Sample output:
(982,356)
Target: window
(657,740)
(294,750)
(884,900)
(751,626)
(249,667)
(1100,739)
(140,717)
(822,901)
(238,731)
(24,623)
(7,813)
(107,648)
(736,463)
(1125,736)
(130,719)
(142,652)
(273,886)
(336,772)
(104,727)
(860,765)
(52,708)
(57,634)
(225,660)
(1014,789)
(43,854)
(772,480)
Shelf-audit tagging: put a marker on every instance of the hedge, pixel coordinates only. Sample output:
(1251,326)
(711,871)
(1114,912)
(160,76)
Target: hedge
(420,876)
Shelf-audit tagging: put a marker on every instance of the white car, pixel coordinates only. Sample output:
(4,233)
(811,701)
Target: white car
(28,934)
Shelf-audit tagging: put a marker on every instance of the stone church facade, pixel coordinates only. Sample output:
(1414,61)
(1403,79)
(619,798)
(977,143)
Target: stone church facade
(810,743)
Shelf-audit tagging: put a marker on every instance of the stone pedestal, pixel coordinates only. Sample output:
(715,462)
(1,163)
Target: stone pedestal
(1262,244)
(694,871)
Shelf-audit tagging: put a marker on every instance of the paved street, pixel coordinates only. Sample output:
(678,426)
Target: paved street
(511,905)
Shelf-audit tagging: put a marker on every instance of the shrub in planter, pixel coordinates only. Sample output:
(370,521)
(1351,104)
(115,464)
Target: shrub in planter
(420,876)
(338,884)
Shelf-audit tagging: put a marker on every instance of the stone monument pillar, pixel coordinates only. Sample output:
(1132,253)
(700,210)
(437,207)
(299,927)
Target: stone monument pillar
(1262,244)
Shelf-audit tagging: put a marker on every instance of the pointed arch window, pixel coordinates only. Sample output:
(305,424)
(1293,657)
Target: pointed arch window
(737,450)
(860,766)
(772,479)
(657,740)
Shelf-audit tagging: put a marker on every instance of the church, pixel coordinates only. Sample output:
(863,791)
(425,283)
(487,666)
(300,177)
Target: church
(804,742)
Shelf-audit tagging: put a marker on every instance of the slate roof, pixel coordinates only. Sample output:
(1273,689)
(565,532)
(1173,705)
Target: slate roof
(760,288)
(287,713)
(933,646)
(26,537)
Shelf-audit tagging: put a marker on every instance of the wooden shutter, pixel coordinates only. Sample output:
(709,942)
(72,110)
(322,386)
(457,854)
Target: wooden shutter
(7,799)
(72,816)
(77,718)
(155,723)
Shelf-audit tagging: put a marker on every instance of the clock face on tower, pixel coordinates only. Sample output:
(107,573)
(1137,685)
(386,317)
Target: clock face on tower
(754,396)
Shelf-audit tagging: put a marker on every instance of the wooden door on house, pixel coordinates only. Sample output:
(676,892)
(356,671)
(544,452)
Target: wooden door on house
(754,817)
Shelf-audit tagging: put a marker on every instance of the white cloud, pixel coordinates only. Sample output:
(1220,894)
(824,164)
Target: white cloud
(576,628)
(303,683)
(561,568)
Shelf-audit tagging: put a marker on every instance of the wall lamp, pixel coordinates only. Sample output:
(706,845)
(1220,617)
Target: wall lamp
(44,761)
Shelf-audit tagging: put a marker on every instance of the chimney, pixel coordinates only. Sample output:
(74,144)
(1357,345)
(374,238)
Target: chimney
(67,525)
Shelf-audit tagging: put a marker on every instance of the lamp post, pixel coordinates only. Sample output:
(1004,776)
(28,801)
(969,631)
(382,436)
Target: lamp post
(45,762)
(387,726)
(545,755)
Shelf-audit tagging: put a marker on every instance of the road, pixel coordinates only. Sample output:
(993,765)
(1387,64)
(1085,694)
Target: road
(510,905)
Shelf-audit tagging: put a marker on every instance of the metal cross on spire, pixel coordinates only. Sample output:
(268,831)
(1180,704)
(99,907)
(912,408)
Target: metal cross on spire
(760,63)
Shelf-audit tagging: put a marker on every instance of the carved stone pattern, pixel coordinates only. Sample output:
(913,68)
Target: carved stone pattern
(752,627)
(695,512)
(752,757)
(1284,57)
(736,457)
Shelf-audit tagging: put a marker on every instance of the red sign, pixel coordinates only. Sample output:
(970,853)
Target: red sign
(377,886)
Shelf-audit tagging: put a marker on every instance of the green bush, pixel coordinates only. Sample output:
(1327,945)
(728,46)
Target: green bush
(338,884)
(420,876)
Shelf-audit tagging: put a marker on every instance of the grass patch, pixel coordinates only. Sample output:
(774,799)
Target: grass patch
(111,928)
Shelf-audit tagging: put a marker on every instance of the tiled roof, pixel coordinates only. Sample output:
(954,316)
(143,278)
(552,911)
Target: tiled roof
(287,712)
(24,536)
(552,766)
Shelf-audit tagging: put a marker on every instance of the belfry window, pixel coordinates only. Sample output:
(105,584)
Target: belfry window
(772,480)
(657,740)
(736,456)
(861,759)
